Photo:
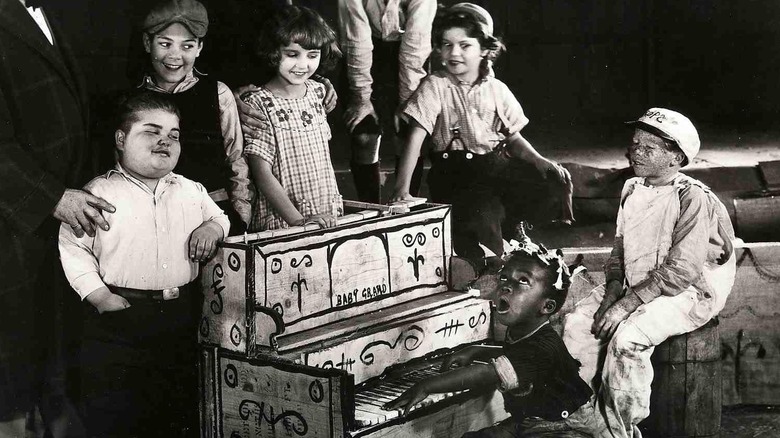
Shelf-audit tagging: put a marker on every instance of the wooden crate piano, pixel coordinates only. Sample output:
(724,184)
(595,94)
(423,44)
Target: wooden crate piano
(307,332)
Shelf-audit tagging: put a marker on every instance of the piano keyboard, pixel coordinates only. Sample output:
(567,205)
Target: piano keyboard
(370,398)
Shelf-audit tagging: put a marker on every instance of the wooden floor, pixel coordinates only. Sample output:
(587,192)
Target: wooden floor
(751,422)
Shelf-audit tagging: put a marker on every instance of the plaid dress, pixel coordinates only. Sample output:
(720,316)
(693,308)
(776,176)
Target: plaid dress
(296,146)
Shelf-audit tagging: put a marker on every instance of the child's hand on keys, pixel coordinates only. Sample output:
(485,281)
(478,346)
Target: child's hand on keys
(203,241)
(323,220)
(408,399)
(459,359)
(105,301)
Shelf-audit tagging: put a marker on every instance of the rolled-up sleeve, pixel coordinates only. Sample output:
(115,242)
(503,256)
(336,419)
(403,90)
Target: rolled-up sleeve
(515,117)
(507,376)
(355,32)
(415,47)
(425,105)
(212,212)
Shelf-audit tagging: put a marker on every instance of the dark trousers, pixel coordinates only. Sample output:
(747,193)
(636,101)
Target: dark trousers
(477,211)
(139,369)
(39,329)
(489,199)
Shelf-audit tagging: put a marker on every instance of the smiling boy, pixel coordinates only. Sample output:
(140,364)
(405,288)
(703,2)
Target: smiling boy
(139,344)
(212,142)
(532,368)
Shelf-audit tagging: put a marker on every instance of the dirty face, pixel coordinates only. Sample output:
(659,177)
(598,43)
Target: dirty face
(650,158)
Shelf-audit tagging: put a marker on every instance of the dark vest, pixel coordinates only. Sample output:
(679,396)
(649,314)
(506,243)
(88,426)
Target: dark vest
(202,146)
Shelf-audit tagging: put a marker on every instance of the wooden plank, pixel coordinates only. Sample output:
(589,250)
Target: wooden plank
(756,217)
(343,220)
(334,332)
(368,356)
(770,170)
(225,288)
(262,398)
(393,208)
(320,278)
(209,395)
(703,402)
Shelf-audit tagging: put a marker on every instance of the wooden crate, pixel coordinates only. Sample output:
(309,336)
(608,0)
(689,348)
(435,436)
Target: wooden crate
(242,398)
(257,292)
(257,397)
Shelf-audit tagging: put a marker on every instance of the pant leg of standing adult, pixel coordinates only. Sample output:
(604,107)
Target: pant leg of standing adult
(60,332)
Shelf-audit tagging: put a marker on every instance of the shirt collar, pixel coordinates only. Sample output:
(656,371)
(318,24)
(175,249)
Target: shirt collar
(170,178)
(189,80)
(457,82)
(509,339)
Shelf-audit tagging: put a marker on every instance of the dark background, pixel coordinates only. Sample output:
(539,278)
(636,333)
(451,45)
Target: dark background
(568,61)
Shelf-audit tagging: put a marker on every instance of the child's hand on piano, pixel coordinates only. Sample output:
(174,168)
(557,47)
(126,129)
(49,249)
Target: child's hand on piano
(323,220)
(203,241)
(399,195)
(459,359)
(408,399)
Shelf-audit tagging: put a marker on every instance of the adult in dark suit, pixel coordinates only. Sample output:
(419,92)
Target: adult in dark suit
(43,151)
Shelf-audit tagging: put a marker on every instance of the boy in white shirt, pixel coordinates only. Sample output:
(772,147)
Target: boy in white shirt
(139,349)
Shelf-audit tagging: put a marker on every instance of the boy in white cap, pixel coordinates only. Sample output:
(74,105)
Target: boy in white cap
(671,268)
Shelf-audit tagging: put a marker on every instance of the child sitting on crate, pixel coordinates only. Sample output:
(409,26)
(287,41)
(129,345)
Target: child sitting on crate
(532,368)
(670,271)
(139,351)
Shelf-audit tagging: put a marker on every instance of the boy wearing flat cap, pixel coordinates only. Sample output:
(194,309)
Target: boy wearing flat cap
(211,142)
(671,269)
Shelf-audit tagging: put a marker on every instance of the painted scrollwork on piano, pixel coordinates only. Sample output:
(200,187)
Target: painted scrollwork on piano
(310,333)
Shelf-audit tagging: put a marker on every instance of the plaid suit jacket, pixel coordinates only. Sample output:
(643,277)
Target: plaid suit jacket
(43,140)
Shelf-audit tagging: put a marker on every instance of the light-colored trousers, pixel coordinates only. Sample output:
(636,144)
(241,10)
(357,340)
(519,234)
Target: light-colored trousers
(622,397)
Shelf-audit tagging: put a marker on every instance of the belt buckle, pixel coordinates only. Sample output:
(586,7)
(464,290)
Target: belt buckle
(170,293)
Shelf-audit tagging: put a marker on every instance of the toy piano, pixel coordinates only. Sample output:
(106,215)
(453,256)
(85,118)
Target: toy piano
(307,332)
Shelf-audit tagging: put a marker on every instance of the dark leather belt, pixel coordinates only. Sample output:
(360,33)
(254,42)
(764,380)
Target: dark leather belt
(167,294)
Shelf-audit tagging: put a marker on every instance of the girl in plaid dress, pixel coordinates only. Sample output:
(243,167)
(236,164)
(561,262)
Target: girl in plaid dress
(290,162)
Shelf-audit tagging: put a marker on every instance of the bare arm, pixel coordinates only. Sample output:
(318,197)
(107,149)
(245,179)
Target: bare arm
(521,148)
(471,353)
(267,183)
(408,161)
(471,377)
